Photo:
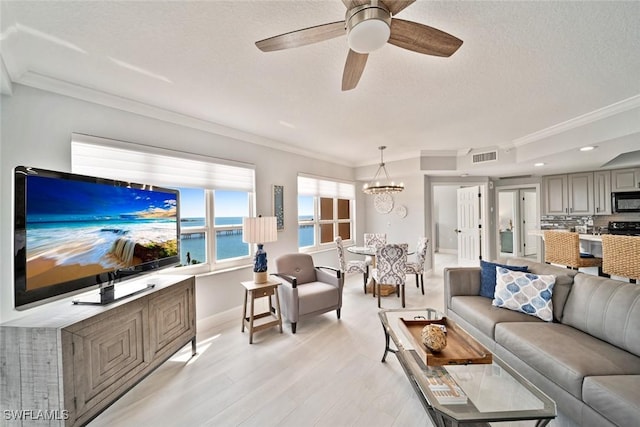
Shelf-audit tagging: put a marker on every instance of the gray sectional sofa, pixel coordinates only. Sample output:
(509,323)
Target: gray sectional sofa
(587,359)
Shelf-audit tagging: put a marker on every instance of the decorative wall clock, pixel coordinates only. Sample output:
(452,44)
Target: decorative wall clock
(401,211)
(383,203)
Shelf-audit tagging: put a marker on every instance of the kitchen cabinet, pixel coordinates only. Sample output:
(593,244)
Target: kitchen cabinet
(571,194)
(602,192)
(625,180)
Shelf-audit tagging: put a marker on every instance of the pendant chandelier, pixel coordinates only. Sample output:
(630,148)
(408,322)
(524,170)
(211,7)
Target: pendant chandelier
(382,187)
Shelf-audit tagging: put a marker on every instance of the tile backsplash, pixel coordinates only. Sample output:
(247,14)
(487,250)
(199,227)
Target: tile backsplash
(561,222)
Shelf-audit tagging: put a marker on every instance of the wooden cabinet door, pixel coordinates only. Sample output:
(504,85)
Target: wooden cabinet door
(172,319)
(108,353)
(555,195)
(580,192)
(602,192)
(625,179)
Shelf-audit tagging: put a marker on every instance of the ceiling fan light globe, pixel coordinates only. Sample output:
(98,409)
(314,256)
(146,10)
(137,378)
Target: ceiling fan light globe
(369,36)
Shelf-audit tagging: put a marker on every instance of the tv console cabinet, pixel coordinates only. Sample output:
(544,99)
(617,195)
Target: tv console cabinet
(69,362)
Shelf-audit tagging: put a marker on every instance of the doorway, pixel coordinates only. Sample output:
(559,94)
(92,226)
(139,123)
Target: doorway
(517,211)
(445,215)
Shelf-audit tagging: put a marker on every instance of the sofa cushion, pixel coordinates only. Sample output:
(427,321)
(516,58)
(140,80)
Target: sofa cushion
(564,354)
(615,397)
(564,281)
(607,309)
(525,292)
(488,276)
(479,312)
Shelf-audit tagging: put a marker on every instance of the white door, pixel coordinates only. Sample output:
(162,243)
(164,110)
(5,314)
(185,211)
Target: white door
(468,222)
(529,211)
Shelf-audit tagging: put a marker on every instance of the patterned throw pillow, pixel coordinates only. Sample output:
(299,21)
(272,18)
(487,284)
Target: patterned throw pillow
(525,292)
(488,276)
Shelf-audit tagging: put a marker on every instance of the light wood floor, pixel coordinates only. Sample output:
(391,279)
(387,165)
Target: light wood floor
(328,374)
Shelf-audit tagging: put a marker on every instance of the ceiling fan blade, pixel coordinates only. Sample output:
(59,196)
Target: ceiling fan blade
(422,38)
(353,69)
(397,6)
(350,4)
(302,37)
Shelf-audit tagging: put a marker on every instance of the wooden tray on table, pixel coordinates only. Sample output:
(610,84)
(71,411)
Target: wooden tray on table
(461,349)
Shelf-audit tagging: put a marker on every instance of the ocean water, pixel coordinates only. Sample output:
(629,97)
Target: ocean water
(228,245)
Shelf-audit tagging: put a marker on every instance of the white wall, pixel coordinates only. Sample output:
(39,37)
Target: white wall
(36,128)
(399,230)
(445,205)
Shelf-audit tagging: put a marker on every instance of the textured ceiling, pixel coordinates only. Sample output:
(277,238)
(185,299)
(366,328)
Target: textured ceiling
(524,67)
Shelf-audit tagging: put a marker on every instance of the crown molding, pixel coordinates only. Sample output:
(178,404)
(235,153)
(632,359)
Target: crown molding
(599,114)
(6,87)
(61,87)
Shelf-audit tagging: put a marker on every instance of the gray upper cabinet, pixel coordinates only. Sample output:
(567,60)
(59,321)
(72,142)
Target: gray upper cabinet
(555,195)
(580,192)
(625,180)
(570,194)
(602,192)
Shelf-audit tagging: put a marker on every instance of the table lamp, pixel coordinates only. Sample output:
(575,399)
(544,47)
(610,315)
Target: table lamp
(259,230)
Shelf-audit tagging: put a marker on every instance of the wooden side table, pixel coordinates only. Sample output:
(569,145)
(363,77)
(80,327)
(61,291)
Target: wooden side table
(257,322)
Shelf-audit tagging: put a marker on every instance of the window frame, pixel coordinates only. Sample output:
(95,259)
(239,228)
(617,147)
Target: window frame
(211,265)
(317,222)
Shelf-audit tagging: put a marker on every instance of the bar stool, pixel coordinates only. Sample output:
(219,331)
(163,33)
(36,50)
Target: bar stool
(563,248)
(621,256)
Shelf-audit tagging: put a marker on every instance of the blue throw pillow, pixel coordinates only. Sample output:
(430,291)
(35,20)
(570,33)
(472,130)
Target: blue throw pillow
(488,276)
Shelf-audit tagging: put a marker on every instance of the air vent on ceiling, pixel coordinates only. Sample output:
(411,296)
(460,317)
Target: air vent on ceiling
(489,156)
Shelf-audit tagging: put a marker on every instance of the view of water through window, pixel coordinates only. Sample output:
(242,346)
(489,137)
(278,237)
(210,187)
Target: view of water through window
(230,207)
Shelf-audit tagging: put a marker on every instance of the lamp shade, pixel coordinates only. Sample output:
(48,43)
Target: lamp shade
(260,229)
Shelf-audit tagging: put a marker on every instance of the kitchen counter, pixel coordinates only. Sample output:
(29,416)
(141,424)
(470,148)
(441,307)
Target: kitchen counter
(586,237)
(589,243)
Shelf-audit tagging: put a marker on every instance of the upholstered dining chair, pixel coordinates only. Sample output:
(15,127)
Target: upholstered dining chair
(417,267)
(351,266)
(307,290)
(621,256)
(563,248)
(375,240)
(391,265)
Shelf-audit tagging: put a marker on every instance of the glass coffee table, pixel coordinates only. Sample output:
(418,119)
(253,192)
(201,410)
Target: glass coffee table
(463,394)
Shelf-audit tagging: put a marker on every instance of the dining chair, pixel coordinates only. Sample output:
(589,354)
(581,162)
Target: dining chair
(375,240)
(621,256)
(563,248)
(417,267)
(351,266)
(391,265)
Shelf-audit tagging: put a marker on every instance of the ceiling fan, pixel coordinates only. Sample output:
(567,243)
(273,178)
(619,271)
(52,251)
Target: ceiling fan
(369,24)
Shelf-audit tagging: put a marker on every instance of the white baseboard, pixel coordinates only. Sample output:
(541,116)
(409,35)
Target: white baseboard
(446,251)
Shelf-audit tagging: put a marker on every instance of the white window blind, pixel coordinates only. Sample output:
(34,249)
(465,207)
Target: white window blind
(130,162)
(308,186)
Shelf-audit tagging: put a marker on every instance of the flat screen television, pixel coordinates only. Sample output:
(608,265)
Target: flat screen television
(74,232)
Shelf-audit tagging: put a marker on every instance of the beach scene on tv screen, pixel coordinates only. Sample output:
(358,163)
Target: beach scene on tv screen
(77,229)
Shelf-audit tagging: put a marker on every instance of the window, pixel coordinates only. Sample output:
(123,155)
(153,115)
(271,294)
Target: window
(193,226)
(229,209)
(214,194)
(325,210)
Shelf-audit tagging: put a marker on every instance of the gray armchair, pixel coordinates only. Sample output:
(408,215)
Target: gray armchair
(307,290)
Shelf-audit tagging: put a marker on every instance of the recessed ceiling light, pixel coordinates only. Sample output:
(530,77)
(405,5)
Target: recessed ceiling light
(539,164)
(588,148)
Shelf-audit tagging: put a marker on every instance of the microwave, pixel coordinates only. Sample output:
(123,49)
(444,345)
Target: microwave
(626,201)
